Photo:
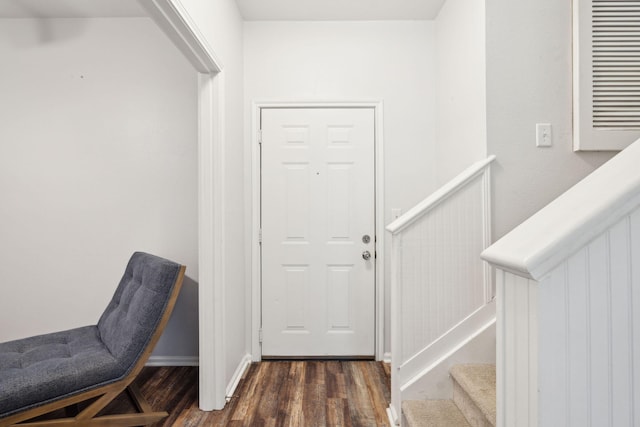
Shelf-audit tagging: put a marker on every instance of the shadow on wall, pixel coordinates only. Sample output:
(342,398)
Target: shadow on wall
(50,31)
(180,337)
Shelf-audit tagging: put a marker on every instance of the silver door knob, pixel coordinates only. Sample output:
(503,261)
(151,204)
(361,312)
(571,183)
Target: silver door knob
(366,255)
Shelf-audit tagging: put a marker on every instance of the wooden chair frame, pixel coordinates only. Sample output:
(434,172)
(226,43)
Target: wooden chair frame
(105,394)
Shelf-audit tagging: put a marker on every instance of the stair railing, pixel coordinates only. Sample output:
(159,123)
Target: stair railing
(437,276)
(568,305)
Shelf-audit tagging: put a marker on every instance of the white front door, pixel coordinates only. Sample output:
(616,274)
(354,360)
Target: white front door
(318,229)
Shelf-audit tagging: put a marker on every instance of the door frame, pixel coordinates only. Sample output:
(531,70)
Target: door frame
(174,20)
(253,232)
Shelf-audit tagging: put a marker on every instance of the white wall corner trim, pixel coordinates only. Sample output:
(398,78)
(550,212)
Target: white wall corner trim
(211,242)
(174,20)
(257,105)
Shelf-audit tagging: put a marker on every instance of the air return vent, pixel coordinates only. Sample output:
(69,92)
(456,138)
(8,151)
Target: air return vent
(606,73)
(616,64)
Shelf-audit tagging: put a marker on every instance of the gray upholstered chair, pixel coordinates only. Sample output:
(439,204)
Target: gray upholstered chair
(42,374)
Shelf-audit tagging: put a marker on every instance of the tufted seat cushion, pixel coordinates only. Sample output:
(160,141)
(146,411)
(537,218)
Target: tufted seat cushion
(41,369)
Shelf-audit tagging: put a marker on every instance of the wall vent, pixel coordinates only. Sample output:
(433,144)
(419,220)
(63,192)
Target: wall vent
(616,64)
(606,73)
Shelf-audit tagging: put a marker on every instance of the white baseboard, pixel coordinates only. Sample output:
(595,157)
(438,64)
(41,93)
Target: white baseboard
(392,415)
(193,361)
(386,358)
(172,361)
(237,375)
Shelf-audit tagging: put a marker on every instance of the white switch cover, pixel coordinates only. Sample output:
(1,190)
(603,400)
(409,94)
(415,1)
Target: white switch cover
(543,135)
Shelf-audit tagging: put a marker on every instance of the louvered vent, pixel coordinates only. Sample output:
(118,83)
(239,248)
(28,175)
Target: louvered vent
(616,64)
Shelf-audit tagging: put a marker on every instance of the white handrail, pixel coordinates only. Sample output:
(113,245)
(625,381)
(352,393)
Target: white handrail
(440,195)
(566,224)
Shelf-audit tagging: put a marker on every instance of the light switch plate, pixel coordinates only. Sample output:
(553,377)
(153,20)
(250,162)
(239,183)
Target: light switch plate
(543,135)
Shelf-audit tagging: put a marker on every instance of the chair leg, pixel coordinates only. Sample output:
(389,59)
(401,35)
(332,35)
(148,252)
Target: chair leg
(92,410)
(87,417)
(138,399)
(123,420)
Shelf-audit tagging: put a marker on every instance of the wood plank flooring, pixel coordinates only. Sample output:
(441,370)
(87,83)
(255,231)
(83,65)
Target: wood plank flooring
(275,393)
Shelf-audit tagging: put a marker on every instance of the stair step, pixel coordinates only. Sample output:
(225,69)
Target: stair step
(474,392)
(433,413)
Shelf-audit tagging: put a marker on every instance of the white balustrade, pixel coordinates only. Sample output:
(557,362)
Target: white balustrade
(437,277)
(568,306)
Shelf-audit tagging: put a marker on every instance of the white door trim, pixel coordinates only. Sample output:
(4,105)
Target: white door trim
(253,232)
(174,20)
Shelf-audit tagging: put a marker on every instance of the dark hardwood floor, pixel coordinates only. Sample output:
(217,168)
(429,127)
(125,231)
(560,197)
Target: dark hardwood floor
(275,393)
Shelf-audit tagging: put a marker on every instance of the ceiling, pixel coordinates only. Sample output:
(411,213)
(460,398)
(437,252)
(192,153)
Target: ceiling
(338,10)
(251,10)
(70,8)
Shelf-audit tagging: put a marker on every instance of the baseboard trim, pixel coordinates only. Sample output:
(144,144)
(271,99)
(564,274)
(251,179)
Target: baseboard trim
(392,415)
(173,361)
(386,358)
(237,375)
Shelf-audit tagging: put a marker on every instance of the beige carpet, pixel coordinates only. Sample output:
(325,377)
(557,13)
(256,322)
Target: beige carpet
(473,404)
(479,383)
(433,413)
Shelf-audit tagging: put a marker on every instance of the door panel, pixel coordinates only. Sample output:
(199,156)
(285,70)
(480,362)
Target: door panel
(318,293)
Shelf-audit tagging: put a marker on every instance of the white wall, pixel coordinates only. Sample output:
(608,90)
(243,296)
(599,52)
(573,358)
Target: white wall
(354,61)
(97,160)
(461,131)
(529,82)
(221,25)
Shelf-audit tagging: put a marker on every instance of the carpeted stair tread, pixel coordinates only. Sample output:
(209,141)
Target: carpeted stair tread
(433,413)
(478,381)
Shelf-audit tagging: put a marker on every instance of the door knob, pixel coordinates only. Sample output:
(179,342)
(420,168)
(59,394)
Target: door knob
(366,255)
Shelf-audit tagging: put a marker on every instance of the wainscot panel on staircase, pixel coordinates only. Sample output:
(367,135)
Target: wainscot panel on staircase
(568,295)
(441,290)
(595,293)
(441,269)
(516,299)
